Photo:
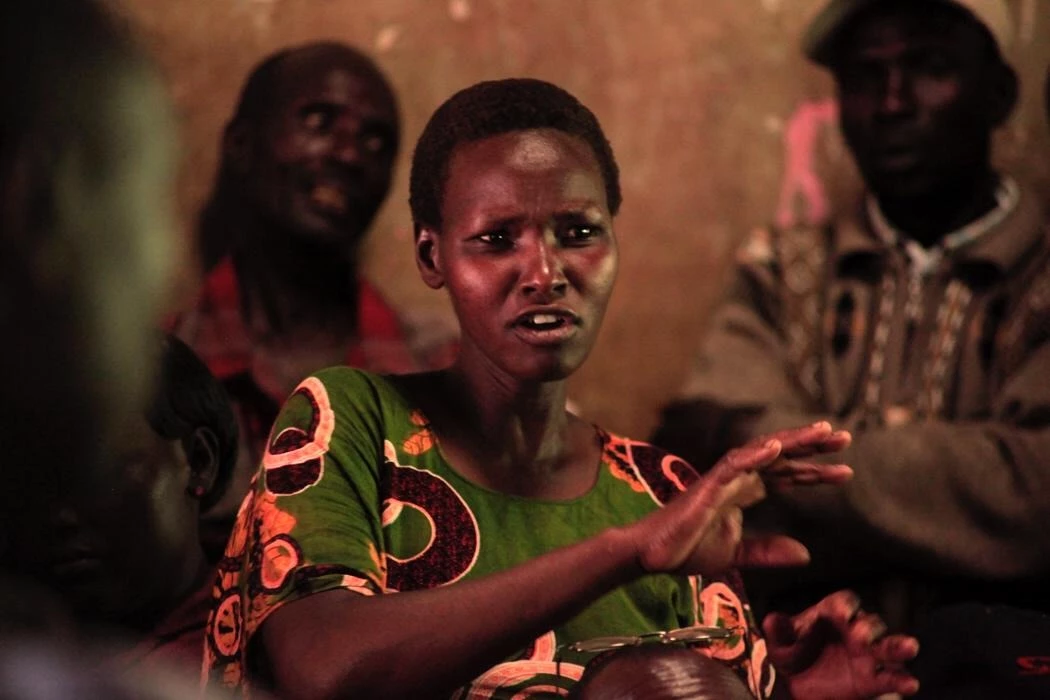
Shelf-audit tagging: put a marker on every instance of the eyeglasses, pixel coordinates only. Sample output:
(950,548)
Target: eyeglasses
(685,635)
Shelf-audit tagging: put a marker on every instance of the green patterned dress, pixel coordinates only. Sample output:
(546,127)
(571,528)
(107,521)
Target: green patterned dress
(354,493)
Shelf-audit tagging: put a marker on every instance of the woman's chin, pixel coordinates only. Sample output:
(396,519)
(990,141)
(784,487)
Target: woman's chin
(554,370)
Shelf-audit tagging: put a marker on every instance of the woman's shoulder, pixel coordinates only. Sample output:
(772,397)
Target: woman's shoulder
(661,473)
(357,385)
(348,388)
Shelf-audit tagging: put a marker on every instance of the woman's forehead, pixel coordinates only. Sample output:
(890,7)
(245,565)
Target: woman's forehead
(493,173)
(526,151)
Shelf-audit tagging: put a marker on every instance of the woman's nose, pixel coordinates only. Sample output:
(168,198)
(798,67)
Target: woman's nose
(543,274)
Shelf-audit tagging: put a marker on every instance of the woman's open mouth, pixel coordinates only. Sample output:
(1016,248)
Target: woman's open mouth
(546,327)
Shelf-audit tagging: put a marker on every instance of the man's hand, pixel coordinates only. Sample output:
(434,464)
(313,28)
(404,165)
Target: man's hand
(836,651)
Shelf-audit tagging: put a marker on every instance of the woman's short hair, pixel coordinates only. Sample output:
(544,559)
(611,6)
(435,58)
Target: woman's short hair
(492,108)
(189,397)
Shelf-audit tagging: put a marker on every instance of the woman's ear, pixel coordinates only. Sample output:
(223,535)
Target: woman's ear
(202,455)
(428,258)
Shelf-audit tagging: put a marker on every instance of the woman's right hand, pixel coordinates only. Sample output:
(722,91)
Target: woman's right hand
(701,531)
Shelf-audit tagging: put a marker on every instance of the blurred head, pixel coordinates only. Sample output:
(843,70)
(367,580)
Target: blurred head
(513,192)
(921,85)
(659,673)
(86,225)
(120,543)
(312,144)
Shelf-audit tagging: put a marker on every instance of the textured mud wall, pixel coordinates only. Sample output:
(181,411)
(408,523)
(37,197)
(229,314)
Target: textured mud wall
(698,97)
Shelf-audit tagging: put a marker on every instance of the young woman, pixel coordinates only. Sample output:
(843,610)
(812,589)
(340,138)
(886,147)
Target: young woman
(507,527)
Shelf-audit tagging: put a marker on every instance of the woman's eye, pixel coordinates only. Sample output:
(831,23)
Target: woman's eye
(496,239)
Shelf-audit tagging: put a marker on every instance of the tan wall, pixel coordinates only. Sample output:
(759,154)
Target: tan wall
(695,95)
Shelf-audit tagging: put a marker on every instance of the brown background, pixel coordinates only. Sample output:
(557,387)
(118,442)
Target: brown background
(693,94)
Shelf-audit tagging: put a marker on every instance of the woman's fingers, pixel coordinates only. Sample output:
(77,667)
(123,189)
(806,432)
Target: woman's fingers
(700,529)
(765,551)
(748,458)
(786,473)
(818,438)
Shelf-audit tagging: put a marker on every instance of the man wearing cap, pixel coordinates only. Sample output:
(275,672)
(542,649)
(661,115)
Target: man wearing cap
(919,318)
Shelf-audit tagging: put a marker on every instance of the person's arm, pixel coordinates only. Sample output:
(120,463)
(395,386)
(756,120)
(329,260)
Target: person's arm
(426,643)
(338,643)
(963,498)
(969,498)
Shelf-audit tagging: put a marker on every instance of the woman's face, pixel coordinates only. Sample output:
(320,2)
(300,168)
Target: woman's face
(526,251)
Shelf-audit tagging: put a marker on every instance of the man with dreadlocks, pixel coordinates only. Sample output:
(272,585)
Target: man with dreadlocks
(307,161)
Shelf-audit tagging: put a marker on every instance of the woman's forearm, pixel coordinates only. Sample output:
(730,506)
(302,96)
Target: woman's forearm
(427,643)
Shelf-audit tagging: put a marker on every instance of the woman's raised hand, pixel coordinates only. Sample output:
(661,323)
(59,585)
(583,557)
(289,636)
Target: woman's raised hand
(701,531)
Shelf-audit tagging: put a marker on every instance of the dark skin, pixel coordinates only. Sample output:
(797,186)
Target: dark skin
(526,236)
(75,537)
(920,95)
(660,673)
(82,315)
(302,178)
(303,184)
(320,160)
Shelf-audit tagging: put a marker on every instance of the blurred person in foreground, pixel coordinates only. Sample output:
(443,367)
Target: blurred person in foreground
(307,160)
(918,319)
(413,535)
(119,544)
(86,230)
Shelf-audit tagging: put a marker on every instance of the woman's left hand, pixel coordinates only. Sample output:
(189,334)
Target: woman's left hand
(836,651)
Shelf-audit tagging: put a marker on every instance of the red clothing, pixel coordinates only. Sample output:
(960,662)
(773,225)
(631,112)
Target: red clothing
(259,369)
(217,332)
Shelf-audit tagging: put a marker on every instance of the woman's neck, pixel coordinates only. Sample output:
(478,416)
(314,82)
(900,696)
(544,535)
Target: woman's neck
(512,437)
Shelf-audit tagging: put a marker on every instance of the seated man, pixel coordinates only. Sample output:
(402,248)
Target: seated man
(120,544)
(307,161)
(918,320)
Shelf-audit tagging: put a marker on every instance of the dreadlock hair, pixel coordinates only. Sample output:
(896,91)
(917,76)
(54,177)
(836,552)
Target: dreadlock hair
(188,397)
(258,98)
(492,108)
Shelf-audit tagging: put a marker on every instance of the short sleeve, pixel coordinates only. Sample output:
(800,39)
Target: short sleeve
(312,521)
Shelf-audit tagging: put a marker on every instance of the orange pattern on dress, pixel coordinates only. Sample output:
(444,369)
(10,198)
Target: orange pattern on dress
(721,607)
